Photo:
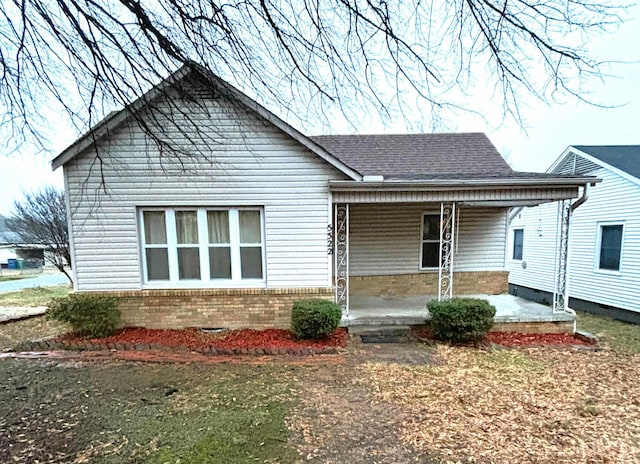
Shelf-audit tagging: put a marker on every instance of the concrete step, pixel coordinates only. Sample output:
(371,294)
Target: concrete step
(382,333)
(383,321)
(379,329)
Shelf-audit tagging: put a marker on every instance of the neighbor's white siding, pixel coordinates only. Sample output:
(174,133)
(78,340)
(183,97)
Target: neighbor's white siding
(254,165)
(615,199)
(7,253)
(385,239)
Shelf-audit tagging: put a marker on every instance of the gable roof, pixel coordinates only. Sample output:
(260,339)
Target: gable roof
(626,158)
(6,236)
(117,118)
(419,156)
(403,157)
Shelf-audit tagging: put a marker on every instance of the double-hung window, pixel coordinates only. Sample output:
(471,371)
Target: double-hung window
(609,248)
(518,244)
(208,246)
(430,241)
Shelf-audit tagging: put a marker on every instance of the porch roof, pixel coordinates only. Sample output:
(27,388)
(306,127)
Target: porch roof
(516,189)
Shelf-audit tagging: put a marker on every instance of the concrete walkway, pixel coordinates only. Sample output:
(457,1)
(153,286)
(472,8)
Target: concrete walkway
(42,280)
(12,313)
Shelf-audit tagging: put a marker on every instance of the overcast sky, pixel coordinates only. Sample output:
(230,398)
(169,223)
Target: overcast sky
(549,128)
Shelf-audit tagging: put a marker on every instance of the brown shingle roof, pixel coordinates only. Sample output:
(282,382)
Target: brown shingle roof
(418,156)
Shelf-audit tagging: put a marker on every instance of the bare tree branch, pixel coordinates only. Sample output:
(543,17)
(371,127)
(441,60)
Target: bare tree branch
(41,219)
(309,58)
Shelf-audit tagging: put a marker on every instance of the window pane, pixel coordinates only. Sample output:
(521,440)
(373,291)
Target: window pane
(187,227)
(188,263)
(249,226)
(431,227)
(218,224)
(610,247)
(430,254)
(155,230)
(220,262)
(518,236)
(157,264)
(251,262)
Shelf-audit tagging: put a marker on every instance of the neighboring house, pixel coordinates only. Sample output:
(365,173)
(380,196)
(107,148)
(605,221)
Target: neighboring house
(604,258)
(264,215)
(13,248)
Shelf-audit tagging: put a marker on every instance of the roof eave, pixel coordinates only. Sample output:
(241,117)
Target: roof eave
(96,133)
(456,184)
(604,164)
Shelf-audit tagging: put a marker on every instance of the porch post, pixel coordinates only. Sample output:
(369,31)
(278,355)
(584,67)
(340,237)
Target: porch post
(447,242)
(341,257)
(560,297)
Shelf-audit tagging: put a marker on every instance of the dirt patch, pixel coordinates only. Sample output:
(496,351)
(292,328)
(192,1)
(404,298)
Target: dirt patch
(114,413)
(340,420)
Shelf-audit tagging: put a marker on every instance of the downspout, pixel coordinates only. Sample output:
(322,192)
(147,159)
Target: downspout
(572,208)
(582,199)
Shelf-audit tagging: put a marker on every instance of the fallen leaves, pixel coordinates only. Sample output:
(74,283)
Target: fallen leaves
(533,339)
(539,405)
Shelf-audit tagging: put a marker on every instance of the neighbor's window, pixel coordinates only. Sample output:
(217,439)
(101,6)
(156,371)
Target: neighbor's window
(203,245)
(518,242)
(610,247)
(430,252)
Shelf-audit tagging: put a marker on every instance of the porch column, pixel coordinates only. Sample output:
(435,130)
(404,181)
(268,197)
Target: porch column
(560,297)
(341,257)
(447,242)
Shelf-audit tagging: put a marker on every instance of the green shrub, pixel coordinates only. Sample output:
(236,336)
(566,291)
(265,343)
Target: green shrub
(314,318)
(461,319)
(89,315)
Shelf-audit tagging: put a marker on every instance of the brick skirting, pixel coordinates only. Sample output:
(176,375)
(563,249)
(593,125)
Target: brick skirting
(426,283)
(535,327)
(256,308)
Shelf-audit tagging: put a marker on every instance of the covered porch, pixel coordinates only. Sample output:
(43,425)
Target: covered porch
(397,245)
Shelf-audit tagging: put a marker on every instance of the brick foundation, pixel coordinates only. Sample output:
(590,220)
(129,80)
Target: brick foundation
(256,308)
(542,327)
(426,283)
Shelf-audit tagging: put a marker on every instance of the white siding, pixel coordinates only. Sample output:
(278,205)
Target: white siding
(254,164)
(615,199)
(385,239)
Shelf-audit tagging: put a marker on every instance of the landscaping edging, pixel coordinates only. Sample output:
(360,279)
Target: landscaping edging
(50,345)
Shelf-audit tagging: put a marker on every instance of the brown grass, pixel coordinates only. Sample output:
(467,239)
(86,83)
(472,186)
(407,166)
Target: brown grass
(13,333)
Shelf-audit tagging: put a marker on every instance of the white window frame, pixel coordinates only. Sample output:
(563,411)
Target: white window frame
(203,245)
(596,261)
(513,244)
(422,242)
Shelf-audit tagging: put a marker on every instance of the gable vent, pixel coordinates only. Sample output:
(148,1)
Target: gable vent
(576,165)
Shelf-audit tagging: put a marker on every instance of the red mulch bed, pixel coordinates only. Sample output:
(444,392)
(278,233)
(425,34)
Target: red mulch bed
(245,341)
(523,339)
(516,339)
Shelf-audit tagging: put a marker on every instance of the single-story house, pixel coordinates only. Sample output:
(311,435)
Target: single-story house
(256,214)
(14,249)
(604,257)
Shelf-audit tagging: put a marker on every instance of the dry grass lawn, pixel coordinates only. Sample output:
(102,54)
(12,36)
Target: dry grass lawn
(537,405)
(39,296)
(14,333)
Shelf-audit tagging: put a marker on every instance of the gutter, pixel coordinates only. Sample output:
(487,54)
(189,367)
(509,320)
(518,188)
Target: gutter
(456,184)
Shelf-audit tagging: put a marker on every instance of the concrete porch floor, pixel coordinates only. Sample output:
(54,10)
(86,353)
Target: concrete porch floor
(412,310)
